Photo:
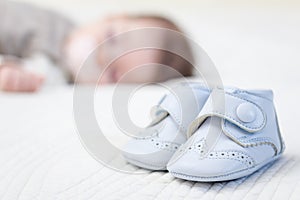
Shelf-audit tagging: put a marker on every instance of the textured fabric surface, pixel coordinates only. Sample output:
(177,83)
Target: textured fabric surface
(41,156)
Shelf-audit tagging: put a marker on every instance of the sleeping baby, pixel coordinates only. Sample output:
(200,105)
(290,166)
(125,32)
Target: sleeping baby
(26,30)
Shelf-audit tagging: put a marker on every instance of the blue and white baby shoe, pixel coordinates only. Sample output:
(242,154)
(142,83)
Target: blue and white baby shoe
(156,144)
(233,136)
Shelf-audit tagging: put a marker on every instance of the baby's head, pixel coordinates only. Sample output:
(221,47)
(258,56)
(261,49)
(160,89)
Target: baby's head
(126,67)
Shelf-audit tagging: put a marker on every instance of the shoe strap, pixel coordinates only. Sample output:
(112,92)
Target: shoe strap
(233,109)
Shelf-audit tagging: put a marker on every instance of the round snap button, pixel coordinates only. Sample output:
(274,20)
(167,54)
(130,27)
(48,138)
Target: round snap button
(246,112)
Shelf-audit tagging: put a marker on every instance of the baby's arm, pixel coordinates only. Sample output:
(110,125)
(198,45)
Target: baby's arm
(14,79)
(27,30)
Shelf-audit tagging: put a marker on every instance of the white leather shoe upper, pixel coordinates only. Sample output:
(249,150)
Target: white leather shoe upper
(154,146)
(231,138)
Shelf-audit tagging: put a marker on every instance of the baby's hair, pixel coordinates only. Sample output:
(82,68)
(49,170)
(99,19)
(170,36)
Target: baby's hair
(180,64)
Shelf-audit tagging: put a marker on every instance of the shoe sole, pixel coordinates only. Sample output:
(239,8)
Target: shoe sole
(225,177)
(145,165)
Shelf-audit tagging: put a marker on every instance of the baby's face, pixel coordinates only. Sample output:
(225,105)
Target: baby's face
(124,67)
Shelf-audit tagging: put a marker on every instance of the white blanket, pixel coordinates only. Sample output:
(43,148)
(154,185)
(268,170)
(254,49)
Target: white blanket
(41,156)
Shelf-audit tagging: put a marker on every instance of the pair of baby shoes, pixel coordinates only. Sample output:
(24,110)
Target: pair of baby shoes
(208,135)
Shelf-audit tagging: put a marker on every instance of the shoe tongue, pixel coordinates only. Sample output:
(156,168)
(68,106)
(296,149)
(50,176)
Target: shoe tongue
(211,124)
(167,130)
(209,132)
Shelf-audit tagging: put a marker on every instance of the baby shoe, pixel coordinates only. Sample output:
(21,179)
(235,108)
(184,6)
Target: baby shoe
(155,145)
(233,136)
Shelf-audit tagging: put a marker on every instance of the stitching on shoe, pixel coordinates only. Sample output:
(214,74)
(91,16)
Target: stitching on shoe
(241,156)
(257,141)
(171,146)
(261,142)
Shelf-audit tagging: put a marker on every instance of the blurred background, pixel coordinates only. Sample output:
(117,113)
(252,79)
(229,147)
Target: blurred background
(253,43)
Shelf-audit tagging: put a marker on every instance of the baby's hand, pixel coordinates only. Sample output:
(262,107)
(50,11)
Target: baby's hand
(15,79)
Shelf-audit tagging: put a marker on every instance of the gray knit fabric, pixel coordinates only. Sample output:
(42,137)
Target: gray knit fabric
(26,29)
